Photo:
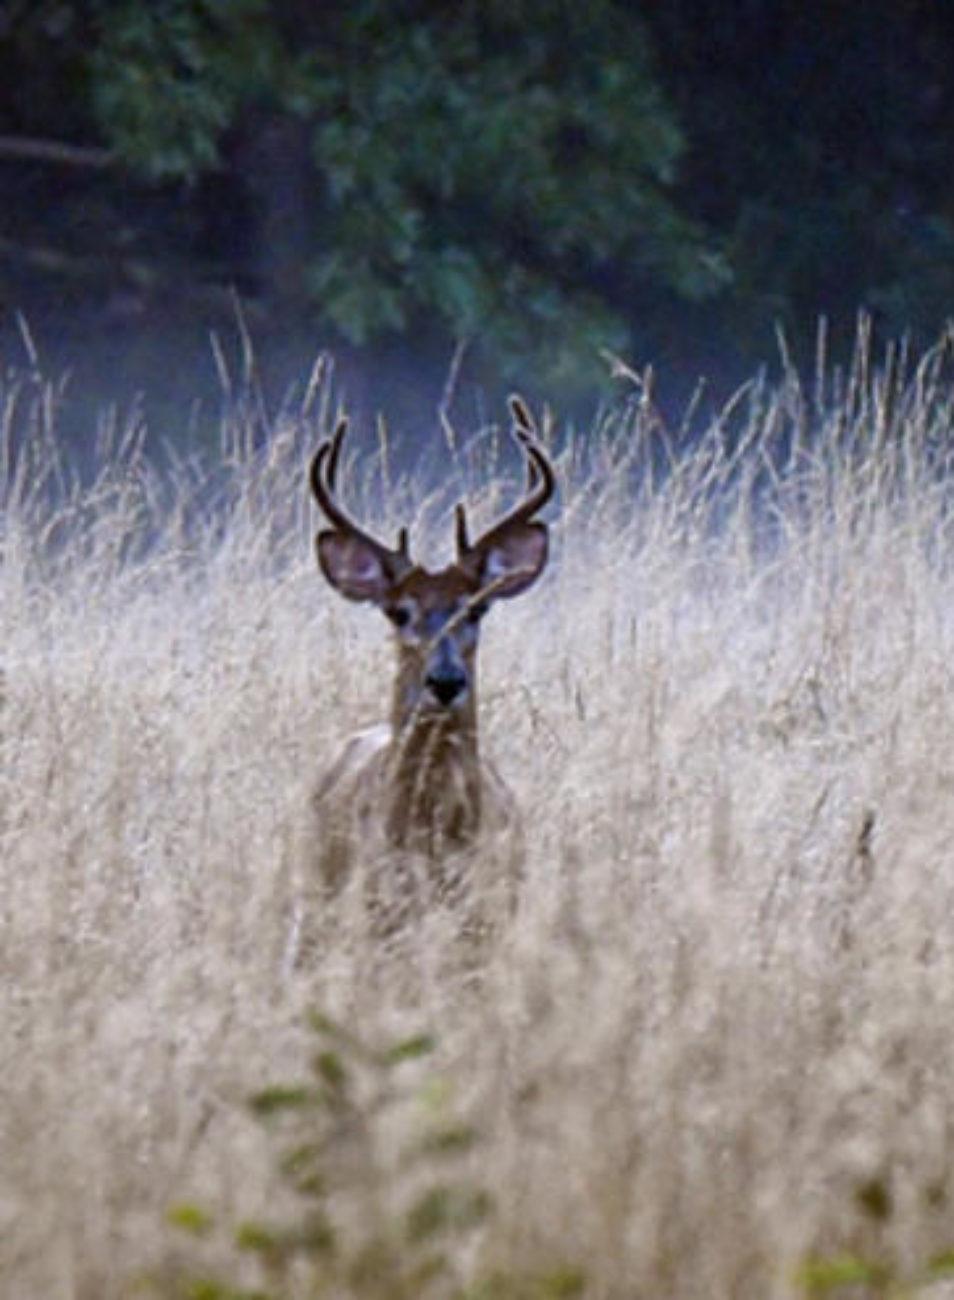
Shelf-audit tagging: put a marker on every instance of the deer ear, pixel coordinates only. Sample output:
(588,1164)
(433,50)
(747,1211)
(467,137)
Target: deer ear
(353,568)
(515,560)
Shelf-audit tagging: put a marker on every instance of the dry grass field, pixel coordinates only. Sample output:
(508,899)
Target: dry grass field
(714,1054)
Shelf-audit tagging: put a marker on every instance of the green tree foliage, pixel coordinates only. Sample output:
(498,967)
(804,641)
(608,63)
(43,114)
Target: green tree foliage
(669,180)
(168,79)
(480,170)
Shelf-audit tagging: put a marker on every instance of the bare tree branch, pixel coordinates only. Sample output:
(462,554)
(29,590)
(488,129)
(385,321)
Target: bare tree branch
(55,151)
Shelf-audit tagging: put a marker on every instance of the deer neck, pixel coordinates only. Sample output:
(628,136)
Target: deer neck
(434,774)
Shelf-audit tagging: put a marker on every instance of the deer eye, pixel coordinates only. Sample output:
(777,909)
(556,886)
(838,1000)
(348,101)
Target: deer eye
(403,614)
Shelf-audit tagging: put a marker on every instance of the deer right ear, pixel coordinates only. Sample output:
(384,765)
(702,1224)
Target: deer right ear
(353,567)
(514,561)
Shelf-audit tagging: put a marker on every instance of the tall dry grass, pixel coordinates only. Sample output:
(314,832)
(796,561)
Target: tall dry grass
(717,1041)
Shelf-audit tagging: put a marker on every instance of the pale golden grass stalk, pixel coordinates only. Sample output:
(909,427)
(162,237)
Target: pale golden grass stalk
(717,1040)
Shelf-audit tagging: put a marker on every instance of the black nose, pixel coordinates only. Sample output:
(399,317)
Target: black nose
(446,686)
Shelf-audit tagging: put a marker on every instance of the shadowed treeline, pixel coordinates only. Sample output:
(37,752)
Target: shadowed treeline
(388,181)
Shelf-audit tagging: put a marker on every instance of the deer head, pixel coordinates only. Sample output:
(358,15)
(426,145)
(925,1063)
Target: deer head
(437,615)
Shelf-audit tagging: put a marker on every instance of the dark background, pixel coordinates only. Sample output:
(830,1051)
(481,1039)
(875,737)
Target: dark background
(667,182)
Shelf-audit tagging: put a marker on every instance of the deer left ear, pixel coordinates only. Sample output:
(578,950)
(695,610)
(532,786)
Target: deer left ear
(353,566)
(514,561)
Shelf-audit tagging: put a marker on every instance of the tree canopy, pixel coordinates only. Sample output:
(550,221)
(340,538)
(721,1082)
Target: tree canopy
(543,181)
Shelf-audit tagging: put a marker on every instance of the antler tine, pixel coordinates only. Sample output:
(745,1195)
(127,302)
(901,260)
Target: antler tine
(541,481)
(329,450)
(337,438)
(322,475)
(539,469)
(521,415)
(460,515)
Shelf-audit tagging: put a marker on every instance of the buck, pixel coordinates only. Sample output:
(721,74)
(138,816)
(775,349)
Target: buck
(419,782)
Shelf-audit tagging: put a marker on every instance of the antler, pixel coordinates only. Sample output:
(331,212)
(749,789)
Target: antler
(541,482)
(324,469)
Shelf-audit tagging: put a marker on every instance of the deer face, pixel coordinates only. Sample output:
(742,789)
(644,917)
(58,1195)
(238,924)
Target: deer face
(436,616)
